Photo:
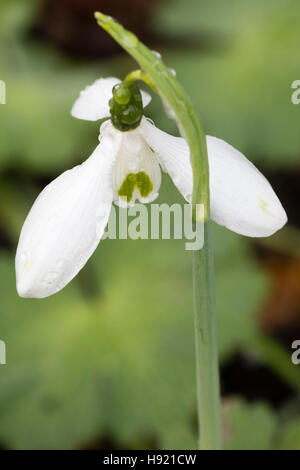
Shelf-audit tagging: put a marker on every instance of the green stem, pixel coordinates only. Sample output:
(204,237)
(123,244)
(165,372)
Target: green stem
(208,401)
(162,79)
(140,75)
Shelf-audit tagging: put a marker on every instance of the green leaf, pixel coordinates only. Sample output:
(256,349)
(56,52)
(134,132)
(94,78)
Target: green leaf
(248,426)
(290,435)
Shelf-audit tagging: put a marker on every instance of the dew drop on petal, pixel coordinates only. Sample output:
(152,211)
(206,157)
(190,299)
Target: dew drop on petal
(23,256)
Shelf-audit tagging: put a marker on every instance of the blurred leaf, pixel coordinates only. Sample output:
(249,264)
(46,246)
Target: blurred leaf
(248,426)
(273,354)
(37,130)
(240,286)
(120,362)
(243,91)
(16,17)
(232,16)
(290,436)
(77,368)
(15,202)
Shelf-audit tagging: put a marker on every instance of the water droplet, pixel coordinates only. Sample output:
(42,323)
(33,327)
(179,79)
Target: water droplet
(173,72)
(130,39)
(157,54)
(23,256)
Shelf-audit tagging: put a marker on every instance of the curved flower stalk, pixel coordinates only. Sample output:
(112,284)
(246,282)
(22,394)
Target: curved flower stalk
(68,219)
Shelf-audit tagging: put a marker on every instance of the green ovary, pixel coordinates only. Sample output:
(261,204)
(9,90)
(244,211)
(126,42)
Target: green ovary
(141,180)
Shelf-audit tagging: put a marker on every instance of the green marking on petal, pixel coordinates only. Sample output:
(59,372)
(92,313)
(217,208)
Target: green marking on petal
(141,180)
(264,206)
(144,184)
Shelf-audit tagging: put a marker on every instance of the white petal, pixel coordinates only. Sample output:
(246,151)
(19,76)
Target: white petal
(92,103)
(173,156)
(146,98)
(66,223)
(135,157)
(241,198)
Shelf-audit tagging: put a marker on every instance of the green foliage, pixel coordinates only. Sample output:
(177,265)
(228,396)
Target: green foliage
(242,85)
(113,354)
(290,436)
(215,17)
(102,356)
(248,426)
(37,131)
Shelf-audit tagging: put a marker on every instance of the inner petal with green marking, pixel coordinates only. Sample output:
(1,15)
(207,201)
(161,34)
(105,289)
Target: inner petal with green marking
(136,174)
(140,180)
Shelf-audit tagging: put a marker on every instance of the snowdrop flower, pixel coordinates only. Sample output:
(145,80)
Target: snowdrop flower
(69,217)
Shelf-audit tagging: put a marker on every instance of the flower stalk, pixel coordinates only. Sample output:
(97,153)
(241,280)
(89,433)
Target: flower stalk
(162,80)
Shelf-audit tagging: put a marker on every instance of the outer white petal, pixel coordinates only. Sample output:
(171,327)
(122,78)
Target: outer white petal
(173,155)
(66,223)
(92,103)
(241,198)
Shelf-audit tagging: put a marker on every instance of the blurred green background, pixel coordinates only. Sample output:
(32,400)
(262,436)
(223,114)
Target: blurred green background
(109,361)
